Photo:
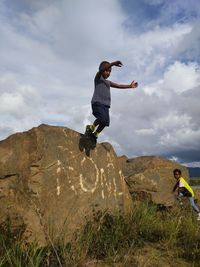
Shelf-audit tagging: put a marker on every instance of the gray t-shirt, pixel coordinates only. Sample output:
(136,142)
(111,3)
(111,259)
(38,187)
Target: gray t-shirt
(101,91)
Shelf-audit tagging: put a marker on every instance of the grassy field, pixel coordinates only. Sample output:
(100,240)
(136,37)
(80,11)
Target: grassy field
(143,238)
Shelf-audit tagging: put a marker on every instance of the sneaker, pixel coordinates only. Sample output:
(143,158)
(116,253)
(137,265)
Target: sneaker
(94,138)
(198,218)
(88,130)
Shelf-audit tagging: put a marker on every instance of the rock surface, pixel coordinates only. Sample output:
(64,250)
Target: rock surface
(151,177)
(47,183)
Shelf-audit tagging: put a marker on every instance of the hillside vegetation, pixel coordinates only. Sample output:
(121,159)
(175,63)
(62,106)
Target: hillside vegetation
(144,237)
(195,181)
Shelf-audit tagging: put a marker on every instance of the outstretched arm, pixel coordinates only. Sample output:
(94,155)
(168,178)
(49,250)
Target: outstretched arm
(108,66)
(132,85)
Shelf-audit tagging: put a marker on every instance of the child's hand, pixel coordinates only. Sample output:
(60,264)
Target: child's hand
(117,63)
(133,84)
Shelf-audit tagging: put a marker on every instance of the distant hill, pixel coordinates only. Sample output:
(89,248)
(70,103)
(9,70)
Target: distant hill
(194,172)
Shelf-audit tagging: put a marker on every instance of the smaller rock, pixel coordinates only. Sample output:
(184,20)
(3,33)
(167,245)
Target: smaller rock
(151,178)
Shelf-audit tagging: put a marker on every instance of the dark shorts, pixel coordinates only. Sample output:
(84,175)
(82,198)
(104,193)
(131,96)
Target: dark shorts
(101,113)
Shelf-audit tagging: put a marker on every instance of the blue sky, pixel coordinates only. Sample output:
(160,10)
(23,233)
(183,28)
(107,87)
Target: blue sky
(50,52)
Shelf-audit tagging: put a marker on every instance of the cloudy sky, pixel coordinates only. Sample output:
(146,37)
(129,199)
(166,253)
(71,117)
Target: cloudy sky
(50,51)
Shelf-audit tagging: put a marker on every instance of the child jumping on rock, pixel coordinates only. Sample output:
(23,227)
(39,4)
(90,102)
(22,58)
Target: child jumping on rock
(184,190)
(101,98)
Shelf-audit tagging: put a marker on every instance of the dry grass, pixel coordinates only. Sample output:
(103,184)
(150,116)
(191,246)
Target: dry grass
(145,237)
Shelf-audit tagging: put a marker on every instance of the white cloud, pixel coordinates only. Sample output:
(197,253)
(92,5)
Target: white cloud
(195,164)
(70,26)
(181,77)
(190,47)
(50,51)
(183,139)
(175,159)
(172,121)
(20,105)
(177,131)
(11,103)
(146,132)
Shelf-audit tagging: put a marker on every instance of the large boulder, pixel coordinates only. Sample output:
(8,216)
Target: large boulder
(47,183)
(151,178)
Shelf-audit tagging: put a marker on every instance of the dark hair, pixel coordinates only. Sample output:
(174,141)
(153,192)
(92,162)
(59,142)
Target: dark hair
(177,170)
(102,64)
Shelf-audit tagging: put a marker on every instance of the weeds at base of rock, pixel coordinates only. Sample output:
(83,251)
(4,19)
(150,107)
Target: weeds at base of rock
(111,239)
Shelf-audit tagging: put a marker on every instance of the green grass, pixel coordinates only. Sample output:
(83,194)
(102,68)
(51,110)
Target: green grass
(195,181)
(110,238)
